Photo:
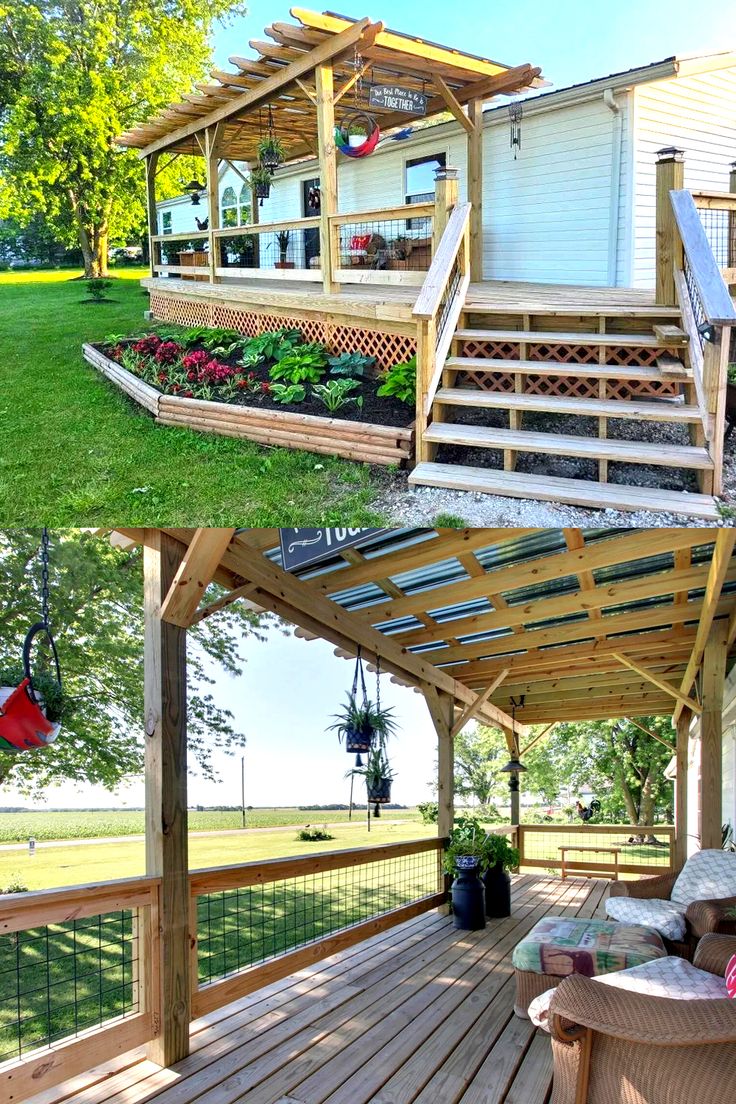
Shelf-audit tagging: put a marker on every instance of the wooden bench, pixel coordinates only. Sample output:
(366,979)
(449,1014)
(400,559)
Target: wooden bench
(613,874)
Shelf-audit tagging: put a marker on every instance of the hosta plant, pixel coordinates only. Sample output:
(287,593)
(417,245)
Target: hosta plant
(350,364)
(400,382)
(273,344)
(336,393)
(287,392)
(303,364)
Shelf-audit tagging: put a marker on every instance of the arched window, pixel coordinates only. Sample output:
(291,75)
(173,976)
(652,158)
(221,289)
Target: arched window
(245,202)
(229,205)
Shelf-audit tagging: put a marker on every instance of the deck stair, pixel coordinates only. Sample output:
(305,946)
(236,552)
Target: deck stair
(616,367)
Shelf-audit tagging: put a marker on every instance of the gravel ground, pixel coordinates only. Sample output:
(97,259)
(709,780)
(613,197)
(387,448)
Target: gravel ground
(407,505)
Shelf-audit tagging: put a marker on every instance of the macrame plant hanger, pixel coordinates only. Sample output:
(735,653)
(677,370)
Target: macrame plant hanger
(358,676)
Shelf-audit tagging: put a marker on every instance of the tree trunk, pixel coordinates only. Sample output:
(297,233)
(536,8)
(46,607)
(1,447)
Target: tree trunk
(646,809)
(92,241)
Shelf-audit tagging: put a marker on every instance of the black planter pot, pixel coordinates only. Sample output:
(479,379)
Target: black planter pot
(262,191)
(357,741)
(270,161)
(380,792)
(468,901)
(497,892)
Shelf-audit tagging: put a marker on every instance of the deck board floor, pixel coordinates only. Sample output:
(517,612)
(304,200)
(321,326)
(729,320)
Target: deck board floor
(418,1014)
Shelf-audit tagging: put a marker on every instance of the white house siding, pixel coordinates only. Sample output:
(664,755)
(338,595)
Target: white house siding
(696,113)
(547,214)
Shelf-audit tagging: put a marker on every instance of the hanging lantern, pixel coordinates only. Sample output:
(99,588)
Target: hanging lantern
(516,110)
(195,189)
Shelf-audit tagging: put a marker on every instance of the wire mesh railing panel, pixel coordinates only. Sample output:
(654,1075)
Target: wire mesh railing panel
(242,927)
(648,849)
(720,230)
(386,244)
(59,980)
(283,249)
(448,297)
(696,302)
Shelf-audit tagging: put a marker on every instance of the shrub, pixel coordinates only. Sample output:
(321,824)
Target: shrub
(96,288)
(17,885)
(400,382)
(314,835)
(302,364)
(336,393)
(429,811)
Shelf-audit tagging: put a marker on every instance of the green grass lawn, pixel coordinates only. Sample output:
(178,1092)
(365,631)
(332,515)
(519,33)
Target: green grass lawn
(75,451)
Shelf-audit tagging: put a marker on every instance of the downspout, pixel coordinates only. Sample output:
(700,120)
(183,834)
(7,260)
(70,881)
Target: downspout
(609,100)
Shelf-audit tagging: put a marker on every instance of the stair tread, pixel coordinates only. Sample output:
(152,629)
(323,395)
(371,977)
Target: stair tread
(644,452)
(578,492)
(551,404)
(479,304)
(672,372)
(552,337)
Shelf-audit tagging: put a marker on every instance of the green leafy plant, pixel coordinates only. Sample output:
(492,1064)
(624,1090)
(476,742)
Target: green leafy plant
(350,364)
(273,344)
(282,239)
(375,770)
(15,884)
(302,364)
(336,393)
(44,684)
(449,521)
(364,718)
(732,373)
(400,382)
(288,392)
(96,288)
(358,130)
(468,837)
(271,151)
(314,835)
(429,812)
(261,180)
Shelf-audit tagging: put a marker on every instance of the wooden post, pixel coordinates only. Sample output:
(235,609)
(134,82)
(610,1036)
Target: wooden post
(442,711)
(212,164)
(475,188)
(670,177)
(324,83)
(166,793)
(445,198)
(711,735)
(151,166)
(683,742)
(731,258)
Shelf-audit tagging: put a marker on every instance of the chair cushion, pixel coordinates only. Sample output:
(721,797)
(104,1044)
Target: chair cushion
(663,977)
(560,946)
(666,917)
(731,977)
(706,875)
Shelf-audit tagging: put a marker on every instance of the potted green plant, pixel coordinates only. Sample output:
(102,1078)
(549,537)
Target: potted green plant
(500,858)
(282,238)
(270,152)
(378,778)
(465,859)
(260,178)
(363,723)
(357,135)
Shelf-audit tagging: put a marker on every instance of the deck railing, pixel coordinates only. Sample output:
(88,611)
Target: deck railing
(78,980)
(261,921)
(389,245)
(717,211)
(708,315)
(650,852)
(437,310)
(285,250)
(181,254)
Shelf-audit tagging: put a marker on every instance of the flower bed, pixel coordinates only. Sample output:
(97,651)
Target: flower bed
(274,389)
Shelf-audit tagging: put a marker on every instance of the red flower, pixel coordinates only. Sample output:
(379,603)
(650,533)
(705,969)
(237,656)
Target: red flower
(168,352)
(188,394)
(196,360)
(266,388)
(162,377)
(147,346)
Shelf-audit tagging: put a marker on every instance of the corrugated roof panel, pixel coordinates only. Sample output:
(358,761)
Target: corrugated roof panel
(465,609)
(634,569)
(551,588)
(555,622)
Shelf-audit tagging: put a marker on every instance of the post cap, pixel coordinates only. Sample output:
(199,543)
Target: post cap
(446,173)
(732,166)
(670,153)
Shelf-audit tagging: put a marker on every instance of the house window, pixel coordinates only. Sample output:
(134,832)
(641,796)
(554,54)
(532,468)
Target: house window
(166,222)
(420,183)
(229,206)
(245,201)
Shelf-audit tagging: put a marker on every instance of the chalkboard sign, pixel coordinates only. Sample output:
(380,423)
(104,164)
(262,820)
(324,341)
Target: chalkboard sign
(397,98)
(301,547)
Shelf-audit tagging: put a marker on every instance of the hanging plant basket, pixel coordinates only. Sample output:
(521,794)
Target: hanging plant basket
(24,723)
(262,189)
(379,791)
(358,740)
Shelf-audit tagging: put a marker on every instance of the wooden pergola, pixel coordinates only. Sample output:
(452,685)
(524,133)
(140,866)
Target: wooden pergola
(300,76)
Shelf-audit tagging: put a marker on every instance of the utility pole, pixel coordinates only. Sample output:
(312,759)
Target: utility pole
(242,786)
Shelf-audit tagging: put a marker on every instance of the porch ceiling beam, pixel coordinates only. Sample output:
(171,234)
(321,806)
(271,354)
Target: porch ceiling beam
(540,736)
(222,603)
(449,99)
(657,681)
(360,34)
(604,553)
(574,540)
(549,682)
(654,735)
(632,688)
(280,592)
(473,709)
(560,634)
(609,594)
(194,575)
(593,711)
(720,564)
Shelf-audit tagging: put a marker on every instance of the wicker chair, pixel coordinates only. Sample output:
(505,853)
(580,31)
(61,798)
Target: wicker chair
(611,1046)
(702,917)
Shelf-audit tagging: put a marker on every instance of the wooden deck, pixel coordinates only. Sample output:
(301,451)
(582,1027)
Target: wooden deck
(420,1013)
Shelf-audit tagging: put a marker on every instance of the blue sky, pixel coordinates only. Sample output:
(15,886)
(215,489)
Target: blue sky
(283,702)
(573,40)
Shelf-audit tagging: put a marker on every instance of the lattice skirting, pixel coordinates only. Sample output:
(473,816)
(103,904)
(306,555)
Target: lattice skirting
(582,387)
(388,349)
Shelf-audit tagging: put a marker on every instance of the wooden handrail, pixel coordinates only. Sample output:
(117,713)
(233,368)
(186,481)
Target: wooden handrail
(384,214)
(715,300)
(21,911)
(183,236)
(267,227)
(429,298)
(714,201)
(214,879)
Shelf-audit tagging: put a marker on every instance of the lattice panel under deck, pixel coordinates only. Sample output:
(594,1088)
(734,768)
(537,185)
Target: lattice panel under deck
(388,349)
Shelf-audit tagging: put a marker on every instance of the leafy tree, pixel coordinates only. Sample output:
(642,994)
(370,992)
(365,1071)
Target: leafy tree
(480,752)
(74,74)
(97,617)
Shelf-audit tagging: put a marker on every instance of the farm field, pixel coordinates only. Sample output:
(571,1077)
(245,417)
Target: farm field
(74,825)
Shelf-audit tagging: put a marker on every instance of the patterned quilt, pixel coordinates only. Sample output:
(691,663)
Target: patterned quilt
(559,947)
